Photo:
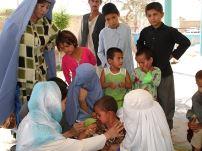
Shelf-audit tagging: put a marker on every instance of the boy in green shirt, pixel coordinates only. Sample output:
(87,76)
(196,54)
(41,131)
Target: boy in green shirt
(147,76)
(115,80)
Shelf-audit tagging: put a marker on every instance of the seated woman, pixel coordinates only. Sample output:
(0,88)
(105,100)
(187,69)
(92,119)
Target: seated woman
(145,124)
(83,92)
(40,129)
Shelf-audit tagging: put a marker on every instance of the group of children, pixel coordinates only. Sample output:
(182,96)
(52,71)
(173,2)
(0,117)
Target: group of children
(154,73)
(115,53)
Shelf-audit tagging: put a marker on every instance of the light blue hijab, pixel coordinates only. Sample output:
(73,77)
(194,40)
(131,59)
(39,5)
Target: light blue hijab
(9,54)
(41,125)
(87,78)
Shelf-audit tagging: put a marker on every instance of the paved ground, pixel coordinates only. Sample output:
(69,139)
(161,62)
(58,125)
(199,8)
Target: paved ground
(185,87)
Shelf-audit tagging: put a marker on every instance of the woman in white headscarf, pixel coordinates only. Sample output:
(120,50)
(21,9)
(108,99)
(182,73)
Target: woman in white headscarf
(145,124)
(26,53)
(40,129)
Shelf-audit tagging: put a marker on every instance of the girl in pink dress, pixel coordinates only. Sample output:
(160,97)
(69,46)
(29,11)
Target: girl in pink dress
(74,55)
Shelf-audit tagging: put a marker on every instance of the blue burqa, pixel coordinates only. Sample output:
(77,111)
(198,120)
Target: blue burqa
(87,78)
(9,53)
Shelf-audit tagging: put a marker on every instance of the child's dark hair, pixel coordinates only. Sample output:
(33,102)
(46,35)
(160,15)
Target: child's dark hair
(109,8)
(61,84)
(66,36)
(146,52)
(198,75)
(154,5)
(111,51)
(107,103)
(99,1)
(43,1)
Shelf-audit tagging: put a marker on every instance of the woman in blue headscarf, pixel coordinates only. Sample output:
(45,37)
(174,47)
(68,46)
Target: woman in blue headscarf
(26,53)
(83,92)
(40,129)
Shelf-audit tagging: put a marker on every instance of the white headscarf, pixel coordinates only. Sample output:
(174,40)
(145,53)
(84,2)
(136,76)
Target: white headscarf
(145,124)
(41,125)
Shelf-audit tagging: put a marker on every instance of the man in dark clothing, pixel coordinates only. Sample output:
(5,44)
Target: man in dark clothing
(91,25)
(161,39)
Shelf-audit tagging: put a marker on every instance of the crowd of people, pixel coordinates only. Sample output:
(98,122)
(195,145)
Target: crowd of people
(105,103)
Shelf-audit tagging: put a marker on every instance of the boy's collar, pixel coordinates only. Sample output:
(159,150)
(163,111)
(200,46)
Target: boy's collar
(160,27)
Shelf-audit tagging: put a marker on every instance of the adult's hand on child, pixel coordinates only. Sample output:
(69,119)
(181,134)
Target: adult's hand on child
(115,131)
(91,129)
(79,127)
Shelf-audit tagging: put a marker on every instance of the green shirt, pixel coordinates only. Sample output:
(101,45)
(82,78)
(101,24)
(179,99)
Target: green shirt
(117,93)
(148,81)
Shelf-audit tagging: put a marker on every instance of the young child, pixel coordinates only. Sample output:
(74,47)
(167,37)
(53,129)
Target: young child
(195,115)
(105,109)
(147,76)
(161,39)
(115,80)
(74,55)
(115,35)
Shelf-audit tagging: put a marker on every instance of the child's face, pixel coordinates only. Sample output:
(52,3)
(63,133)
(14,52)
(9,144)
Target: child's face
(154,17)
(144,63)
(66,48)
(101,115)
(199,84)
(117,61)
(112,20)
(94,4)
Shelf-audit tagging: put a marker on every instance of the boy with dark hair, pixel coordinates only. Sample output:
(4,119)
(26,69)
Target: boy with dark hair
(115,80)
(91,25)
(105,109)
(147,76)
(116,34)
(160,39)
(195,115)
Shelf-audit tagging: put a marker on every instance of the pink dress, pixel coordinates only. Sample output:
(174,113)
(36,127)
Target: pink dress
(69,64)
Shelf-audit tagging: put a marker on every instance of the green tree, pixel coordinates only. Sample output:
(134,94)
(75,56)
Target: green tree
(61,19)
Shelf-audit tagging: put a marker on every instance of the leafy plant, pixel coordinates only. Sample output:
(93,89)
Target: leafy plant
(61,19)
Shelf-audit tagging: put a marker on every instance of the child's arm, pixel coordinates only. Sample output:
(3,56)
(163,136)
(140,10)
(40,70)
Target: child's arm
(140,41)
(127,84)
(101,50)
(182,41)
(83,93)
(156,78)
(106,84)
(66,72)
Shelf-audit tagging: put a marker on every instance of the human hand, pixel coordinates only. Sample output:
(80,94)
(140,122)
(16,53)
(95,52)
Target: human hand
(122,85)
(90,130)
(83,94)
(115,131)
(112,85)
(79,127)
